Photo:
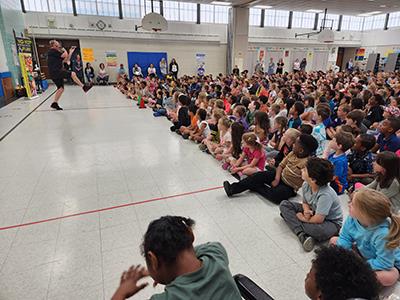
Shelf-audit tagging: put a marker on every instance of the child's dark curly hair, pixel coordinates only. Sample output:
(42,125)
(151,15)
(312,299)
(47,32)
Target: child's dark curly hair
(321,170)
(167,236)
(341,274)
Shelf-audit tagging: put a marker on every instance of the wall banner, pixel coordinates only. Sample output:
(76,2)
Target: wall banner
(201,63)
(111,58)
(24,49)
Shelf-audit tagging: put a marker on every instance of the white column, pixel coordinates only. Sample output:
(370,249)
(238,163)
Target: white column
(240,36)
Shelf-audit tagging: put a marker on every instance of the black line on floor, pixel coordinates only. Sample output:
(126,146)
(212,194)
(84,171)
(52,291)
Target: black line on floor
(86,108)
(24,118)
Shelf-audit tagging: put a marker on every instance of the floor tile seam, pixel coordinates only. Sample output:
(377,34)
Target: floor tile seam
(101,256)
(21,220)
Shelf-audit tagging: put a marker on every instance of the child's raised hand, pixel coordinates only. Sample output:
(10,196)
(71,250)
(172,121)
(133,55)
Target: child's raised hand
(129,282)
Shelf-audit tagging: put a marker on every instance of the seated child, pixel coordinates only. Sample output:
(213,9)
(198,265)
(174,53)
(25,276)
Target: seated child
(387,139)
(355,120)
(319,216)
(252,159)
(319,132)
(203,129)
(186,130)
(342,142)
(188,272)
(273,114)
(283,182)
(338,273)
(387,181)
(235,149)
(254,106)
(225,139)
(306,128)
(374,231)
(183,114)
(213,138)
(342,112)
(273,146)
(296,110)
(239,113)
(309,110)
(261,128)
(360,159)
(285,146)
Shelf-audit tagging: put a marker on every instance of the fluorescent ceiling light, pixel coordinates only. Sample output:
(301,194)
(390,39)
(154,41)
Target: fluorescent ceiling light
(315,10)
(369,14)
(221,3)
(263,6)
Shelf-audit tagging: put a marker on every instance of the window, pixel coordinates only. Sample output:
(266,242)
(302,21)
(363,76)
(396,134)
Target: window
(394,19)
(303,20)
(255,17)
(107,8)
(36,5)
(331,21)
(60,6)
(214,14)
(221,14)
(352,23)
(368,23)
(171,10)
(206,13)
(188,12)
(86,7)
(276,18)
(379,21)
(146,9)
(131,9)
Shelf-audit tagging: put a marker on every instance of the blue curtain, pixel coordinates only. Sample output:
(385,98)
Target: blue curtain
(144,59)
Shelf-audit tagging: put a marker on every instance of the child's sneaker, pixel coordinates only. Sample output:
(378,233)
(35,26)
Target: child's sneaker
(202,147)
(185,136)
(225,166)
(306,241)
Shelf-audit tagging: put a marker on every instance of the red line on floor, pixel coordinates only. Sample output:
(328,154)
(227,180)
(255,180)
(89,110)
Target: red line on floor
(109,208)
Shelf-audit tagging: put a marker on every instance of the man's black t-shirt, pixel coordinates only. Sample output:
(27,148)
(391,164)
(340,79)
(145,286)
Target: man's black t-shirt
(55,63)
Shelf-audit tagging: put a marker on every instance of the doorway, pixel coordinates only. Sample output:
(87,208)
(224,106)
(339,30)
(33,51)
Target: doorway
(42,47)
(340,56)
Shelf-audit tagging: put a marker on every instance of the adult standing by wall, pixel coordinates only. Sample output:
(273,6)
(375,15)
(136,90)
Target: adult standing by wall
(77,67)
(56,56)
(303,64)
(271,66)
(296,66)
(89,72)
(279,66)
(350,65)
(236,71)
(174,68)
(163,67)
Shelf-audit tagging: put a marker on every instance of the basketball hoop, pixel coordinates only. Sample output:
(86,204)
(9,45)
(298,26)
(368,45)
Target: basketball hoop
(153,22)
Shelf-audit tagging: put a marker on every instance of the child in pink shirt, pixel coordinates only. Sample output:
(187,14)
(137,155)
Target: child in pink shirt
(252,159)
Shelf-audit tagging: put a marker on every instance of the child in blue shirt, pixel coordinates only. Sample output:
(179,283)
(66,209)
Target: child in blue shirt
(375,231)
(387,139)
(296,110)
(342,142)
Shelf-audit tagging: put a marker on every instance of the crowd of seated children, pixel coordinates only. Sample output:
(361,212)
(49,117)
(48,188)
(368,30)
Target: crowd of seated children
(249,124)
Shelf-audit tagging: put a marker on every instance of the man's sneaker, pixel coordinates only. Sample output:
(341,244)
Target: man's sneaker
(55,106)
(86,88)
(307,242)
(227,188)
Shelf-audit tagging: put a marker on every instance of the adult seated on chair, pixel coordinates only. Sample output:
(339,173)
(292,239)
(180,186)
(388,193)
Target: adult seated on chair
(102,76)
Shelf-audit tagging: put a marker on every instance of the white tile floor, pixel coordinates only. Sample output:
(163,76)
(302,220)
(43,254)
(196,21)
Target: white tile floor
(102,151)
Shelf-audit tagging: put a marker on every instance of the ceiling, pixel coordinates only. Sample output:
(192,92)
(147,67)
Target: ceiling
(344,7)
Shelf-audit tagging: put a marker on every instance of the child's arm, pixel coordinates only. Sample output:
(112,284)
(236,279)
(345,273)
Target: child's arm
(384,258)
(240,160)
(253,163)
(331,132)
(345,239)
(277,176)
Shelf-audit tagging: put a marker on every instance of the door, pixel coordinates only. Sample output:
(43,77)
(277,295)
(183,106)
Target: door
(340,56)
